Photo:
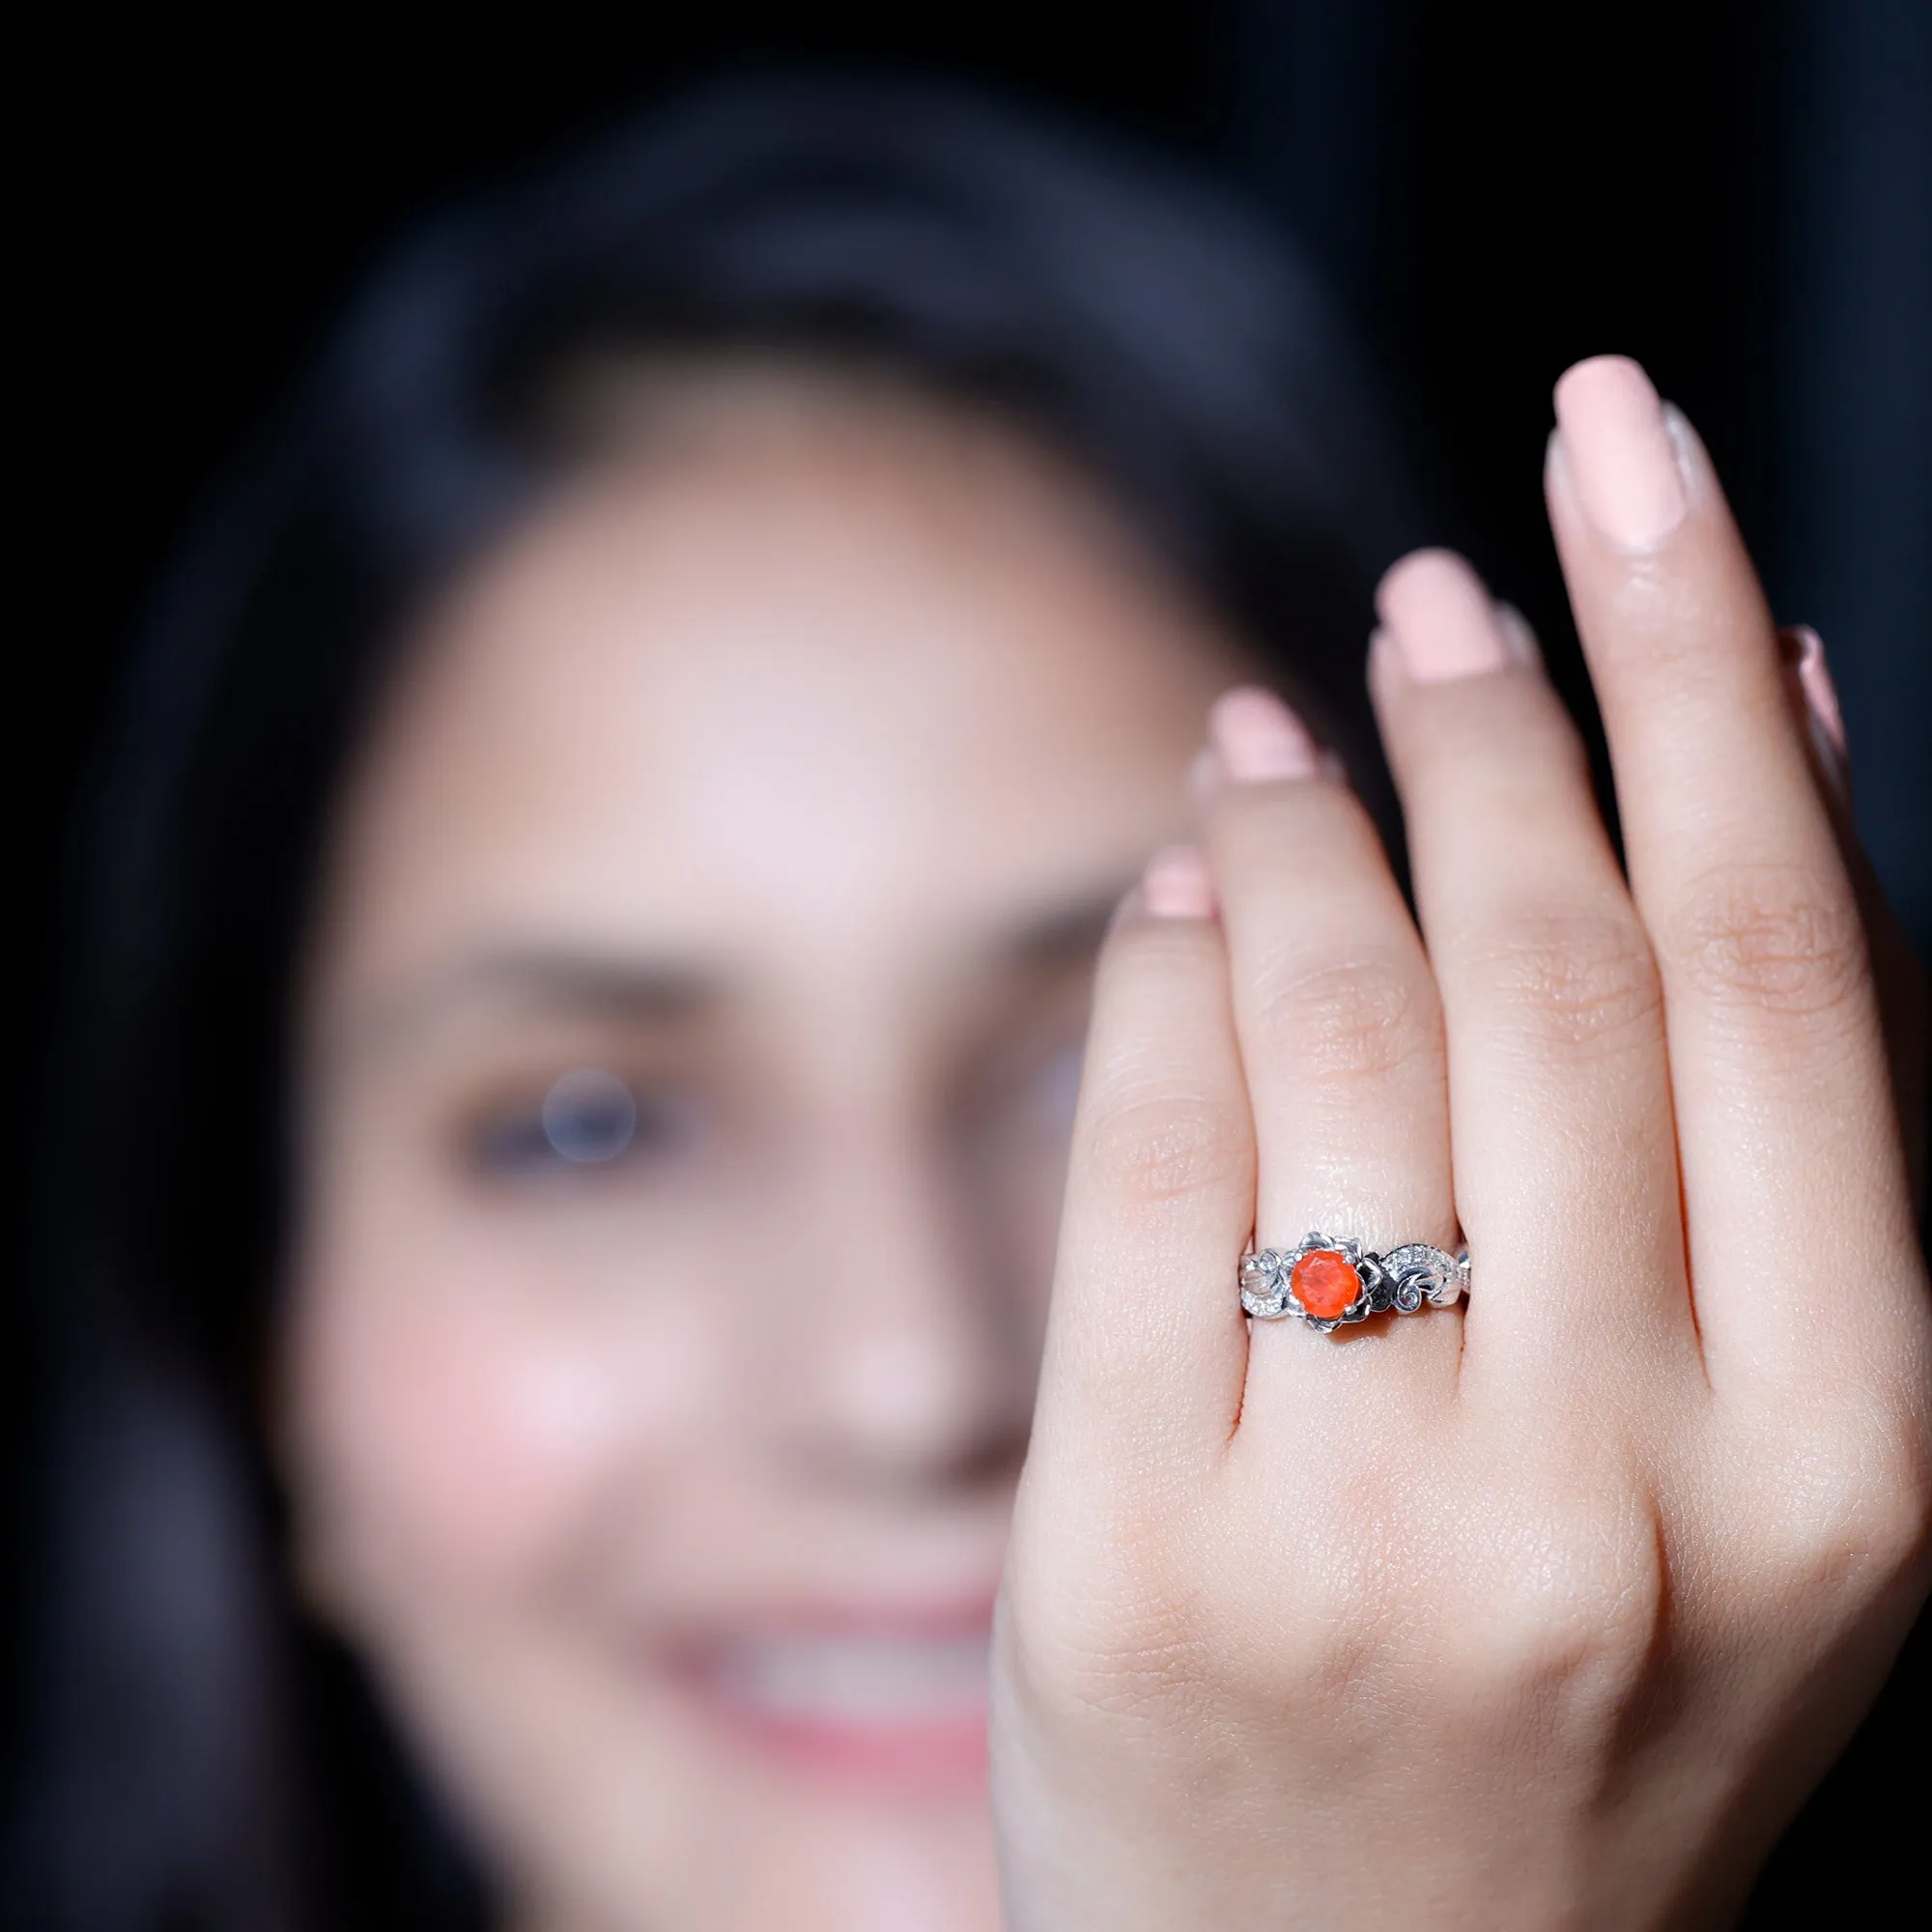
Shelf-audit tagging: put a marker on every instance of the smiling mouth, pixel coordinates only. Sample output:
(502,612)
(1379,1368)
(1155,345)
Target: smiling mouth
(906,1711)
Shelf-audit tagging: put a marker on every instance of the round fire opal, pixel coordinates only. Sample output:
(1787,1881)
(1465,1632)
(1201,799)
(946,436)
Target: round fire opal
(1324,1284)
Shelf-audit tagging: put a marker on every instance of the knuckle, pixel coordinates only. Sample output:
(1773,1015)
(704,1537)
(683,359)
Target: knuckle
(1347,1019)
(1570,1618)
(1889,1533)
(1583,982)
(1857,1515)
(1157,1147)
(1897,1532)
(1114,1637)
(1772,938)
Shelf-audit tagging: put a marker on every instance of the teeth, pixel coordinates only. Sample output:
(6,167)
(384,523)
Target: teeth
(858,1680)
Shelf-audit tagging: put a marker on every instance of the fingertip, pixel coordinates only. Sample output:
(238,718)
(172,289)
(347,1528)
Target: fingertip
(1519,637)
(1442,617)
(1386,673)
(1204,780)
(1426,563)
(1622,451)
(1259,738)
(1597,382)
(1178,885)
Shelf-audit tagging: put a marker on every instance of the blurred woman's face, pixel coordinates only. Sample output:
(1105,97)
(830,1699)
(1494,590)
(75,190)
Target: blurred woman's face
(690,1044)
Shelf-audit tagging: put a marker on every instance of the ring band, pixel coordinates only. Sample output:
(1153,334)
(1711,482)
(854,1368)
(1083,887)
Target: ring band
(1325,1283)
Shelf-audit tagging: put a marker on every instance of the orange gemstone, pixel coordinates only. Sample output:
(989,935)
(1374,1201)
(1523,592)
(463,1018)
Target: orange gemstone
(1324,1284)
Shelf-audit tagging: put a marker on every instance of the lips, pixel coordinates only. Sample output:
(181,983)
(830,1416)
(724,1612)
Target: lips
(899,1708)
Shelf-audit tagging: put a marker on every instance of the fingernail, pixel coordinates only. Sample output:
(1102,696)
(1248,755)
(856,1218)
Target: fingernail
(1178,885)
(1814,679)
(1803,652)
(1258,739)
(1519,638)
(1204,778)
(1619,451)
(1442,617)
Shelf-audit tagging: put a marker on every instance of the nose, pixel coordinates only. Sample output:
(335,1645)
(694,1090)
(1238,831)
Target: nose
(906,1362)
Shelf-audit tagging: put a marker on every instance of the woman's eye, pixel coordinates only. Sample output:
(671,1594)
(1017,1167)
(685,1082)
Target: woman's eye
(589,1119)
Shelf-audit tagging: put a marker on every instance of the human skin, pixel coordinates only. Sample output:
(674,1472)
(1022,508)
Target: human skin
(1546,1611)
(786,768)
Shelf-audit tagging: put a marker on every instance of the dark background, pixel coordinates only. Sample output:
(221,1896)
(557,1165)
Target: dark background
(1740,194)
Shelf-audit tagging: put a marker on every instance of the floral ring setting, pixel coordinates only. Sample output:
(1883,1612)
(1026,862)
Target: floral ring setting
(1323,1283)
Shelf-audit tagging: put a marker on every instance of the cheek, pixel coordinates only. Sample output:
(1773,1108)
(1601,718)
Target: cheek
(457,1429)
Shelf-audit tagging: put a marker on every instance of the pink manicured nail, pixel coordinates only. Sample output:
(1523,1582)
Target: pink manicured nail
(1178,885)
(1803,653)
(1519,638)
(1619,451)
(1442,618)
(1260,739)
(1204,778)
(1814,680)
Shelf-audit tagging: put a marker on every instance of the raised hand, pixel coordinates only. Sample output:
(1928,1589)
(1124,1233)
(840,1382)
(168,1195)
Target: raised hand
(1548,1608)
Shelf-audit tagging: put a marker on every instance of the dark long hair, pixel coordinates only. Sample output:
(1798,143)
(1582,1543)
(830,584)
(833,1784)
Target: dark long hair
(197,1754)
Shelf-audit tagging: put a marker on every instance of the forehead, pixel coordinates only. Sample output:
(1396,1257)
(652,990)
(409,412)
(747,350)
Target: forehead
(814,673)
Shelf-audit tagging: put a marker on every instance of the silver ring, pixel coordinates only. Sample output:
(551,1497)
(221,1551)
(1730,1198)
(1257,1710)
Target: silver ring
(1323,1283)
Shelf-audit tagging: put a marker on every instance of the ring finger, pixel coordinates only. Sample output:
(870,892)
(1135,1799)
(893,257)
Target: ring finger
(1341,1038)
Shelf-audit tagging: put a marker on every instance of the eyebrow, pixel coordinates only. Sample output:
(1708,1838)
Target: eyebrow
(564,978)
(659,992)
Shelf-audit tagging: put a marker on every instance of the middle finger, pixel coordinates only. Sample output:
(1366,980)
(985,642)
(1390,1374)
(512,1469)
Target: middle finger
(1565,1155)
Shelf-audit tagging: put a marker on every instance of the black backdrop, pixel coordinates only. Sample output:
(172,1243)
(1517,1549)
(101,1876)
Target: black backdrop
(1739,193)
